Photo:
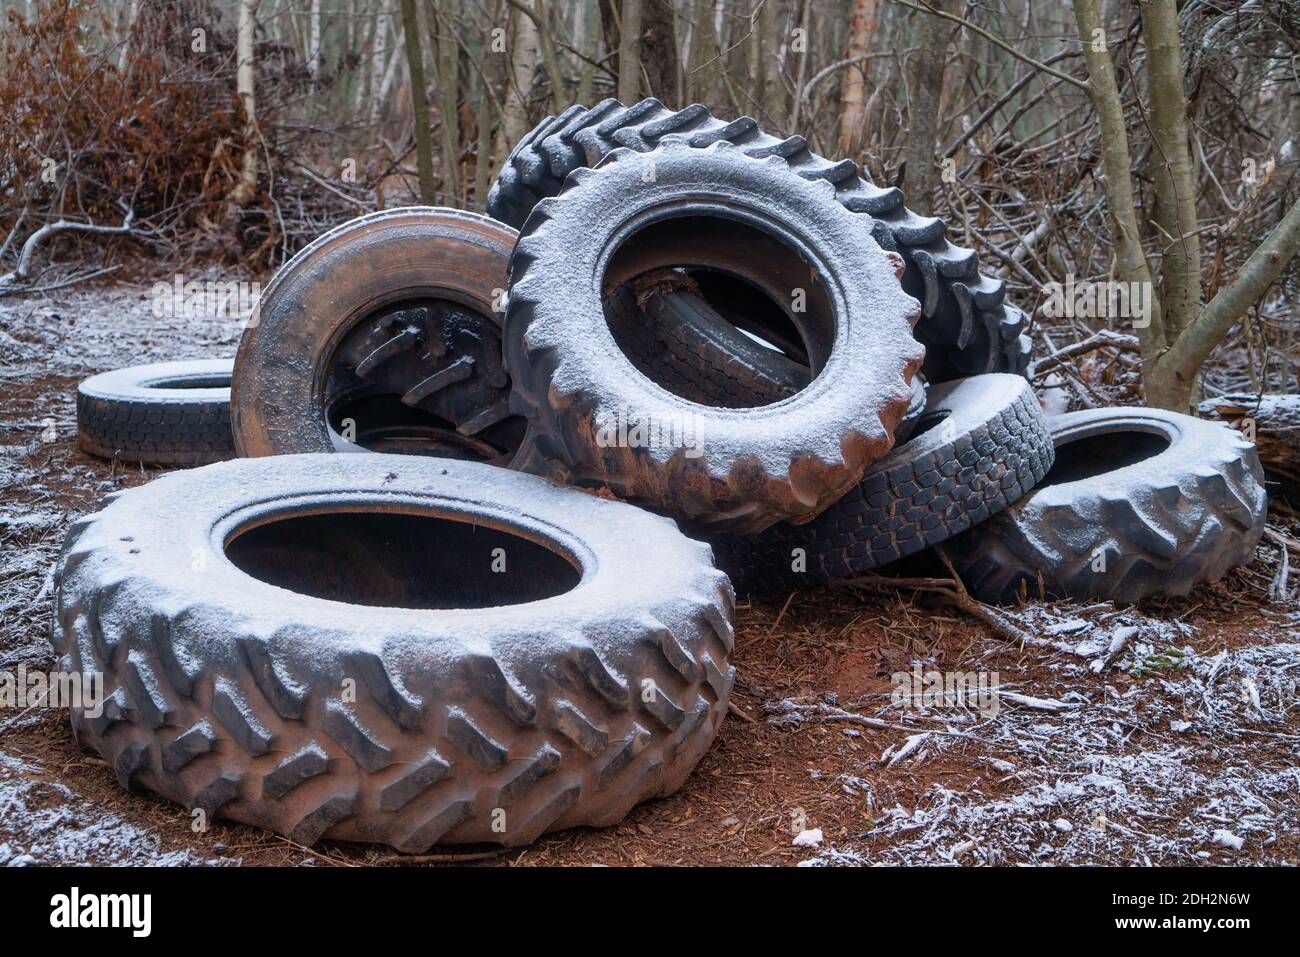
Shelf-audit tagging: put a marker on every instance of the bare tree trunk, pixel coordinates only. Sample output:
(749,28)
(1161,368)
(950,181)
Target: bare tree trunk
(805,57)
(658,53)
(586,28)
(419,102)
(853,88)
(925,89)
(758,47)
(246,188)
(1171,169)
(523,63)
(378,62)
(629,52)
(704,50)
(1171,381)
(313,52)
(773,101)
(448,51)
(484,108)
(1117,161)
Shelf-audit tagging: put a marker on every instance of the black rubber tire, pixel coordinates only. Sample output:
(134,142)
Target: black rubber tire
(1164,523)
(983,443)
(231,694)
(409,300)
(915,409)
(756,466)
(968,328)
(676,337)
(165,413)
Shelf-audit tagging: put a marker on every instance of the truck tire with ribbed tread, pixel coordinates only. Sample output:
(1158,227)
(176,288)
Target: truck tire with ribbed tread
(486,724)
(981,444)
(164,413)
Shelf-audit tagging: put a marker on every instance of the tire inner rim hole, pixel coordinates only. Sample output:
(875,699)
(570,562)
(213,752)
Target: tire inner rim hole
(191,382)
(737,290)
(1092,455)
(401,560)
(422,376)
(928,421)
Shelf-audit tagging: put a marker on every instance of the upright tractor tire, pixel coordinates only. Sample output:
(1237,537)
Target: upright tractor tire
(968,327)
(751,467)
(393,649)
(383,334)
(1139,502)
(166,413)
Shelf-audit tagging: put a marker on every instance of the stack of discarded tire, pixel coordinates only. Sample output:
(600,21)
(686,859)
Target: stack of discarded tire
(769,362)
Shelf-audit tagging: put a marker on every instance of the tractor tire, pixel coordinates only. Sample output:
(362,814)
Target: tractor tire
(968,328)
(1139,502)
(750,467)
(383,334)
(166,413)
(982,443)
(293,643)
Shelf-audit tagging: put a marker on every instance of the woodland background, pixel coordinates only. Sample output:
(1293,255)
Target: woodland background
(1153,141)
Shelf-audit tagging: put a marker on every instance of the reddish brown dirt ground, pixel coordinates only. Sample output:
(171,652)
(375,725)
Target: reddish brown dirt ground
(1100,779)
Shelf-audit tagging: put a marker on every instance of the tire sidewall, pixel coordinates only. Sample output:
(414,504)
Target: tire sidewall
(320,295)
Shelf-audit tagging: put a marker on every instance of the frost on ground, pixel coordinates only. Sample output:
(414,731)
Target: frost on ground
(1167,736)
(45,822)
(1171,758)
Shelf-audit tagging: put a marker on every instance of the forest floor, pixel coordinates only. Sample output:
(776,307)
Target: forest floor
(1183,749)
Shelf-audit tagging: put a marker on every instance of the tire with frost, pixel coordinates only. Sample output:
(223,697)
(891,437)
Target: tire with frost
(968,327)
(1139,502)
(981,444)
(391,320)
(165,413)
(750,467)
(236,684)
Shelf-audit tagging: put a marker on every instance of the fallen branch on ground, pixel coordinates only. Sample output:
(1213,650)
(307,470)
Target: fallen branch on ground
(22,272)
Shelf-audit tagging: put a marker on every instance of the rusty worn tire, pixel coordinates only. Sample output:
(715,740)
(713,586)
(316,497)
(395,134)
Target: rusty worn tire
(968,327)
(398,313)
(754,466)
(165,413)
(1169,501)
(228,692)
(984,442)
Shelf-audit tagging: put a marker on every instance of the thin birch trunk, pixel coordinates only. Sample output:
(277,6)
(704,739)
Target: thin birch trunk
(313,52)
(523,60)
(379,63)
(419,102)
(246,188)
(629,52)
(853,87)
